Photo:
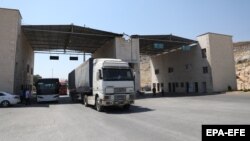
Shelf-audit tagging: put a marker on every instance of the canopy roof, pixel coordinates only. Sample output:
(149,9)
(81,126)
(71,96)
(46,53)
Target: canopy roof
(158,44)
(65,38)
(77,39)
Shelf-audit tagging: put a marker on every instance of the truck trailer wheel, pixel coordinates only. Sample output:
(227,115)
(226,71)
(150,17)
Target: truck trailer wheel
(98,105)
(86,101)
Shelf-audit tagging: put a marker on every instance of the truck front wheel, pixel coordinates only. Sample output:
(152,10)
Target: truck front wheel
(98,105)
(86,101)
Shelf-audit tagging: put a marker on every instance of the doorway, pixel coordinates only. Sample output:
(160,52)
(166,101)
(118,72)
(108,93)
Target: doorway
(204,87)
(187,87)
(196,87)
(173,85)
(158,87)
(169,87)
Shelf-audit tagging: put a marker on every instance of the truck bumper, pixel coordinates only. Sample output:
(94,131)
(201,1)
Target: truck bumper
(118,100)
(116,103)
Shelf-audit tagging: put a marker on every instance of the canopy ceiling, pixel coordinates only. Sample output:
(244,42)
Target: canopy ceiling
(158,44)
(65,38)
(77,39)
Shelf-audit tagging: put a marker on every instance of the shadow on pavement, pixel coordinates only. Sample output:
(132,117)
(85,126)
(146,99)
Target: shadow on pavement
(62,100)
(133,109)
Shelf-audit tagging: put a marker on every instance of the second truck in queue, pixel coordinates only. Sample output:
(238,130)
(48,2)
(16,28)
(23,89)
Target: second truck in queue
(102,82)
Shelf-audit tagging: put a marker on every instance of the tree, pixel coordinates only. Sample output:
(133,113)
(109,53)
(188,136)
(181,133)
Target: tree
(36,78)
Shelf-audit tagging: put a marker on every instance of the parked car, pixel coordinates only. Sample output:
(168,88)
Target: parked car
(7,99)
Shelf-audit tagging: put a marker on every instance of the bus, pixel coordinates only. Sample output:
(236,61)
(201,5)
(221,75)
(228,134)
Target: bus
(47,89)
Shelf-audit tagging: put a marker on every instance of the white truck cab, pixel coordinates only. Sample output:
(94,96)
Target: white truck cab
(112,83)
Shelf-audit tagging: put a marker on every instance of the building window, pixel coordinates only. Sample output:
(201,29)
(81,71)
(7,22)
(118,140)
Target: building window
(205,69)
(28,68)
(31,71)
(182,84)
(154,85)
(204,53)
(177,84)
(188,66)
(157,71)
(170,70)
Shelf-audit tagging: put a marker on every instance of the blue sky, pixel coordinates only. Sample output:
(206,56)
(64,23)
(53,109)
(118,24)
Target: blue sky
(186,18)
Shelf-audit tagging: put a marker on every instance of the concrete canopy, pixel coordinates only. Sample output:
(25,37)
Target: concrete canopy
(66,38)
(158,44)
(76,39)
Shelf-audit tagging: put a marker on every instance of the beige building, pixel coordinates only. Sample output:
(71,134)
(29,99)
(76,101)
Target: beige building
(145,71)
(19,42)
(16,55)
(205,67)
(127,50)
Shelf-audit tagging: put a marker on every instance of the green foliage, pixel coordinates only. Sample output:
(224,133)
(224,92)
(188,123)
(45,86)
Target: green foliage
(36,78)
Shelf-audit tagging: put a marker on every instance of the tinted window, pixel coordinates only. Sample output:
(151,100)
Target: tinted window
(47,86)
(204,53)
(170,70)
(117,74)
(205,69)
(1,94)
(156,71)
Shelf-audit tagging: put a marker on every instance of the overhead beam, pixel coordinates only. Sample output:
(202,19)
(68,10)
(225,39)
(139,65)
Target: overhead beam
(63,32)
(58,52)
(68,38)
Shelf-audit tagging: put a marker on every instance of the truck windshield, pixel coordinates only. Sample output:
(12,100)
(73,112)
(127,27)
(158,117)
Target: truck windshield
(112,74)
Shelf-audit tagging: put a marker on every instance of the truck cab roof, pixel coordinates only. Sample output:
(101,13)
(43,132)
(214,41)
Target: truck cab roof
(109,62)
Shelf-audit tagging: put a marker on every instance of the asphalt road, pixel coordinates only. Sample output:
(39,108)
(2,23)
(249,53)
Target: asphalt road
(171,118)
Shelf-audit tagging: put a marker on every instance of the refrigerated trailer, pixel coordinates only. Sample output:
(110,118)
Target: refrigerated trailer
(102,82)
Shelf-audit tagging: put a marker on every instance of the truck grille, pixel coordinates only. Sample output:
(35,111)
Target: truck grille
(119,90)
(120,97)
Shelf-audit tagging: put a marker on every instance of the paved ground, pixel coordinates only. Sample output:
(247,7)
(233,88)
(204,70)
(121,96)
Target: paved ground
(162,118)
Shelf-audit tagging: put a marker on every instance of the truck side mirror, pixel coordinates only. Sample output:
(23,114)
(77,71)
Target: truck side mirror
(100,74)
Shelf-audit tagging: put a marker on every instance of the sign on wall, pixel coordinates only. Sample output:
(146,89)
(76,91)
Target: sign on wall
(158,46)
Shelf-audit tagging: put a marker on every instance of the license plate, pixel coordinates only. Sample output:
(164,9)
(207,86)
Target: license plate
(120,97)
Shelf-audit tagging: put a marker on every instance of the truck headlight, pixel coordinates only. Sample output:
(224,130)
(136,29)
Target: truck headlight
(107,97)
(109,90)
(129,90)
